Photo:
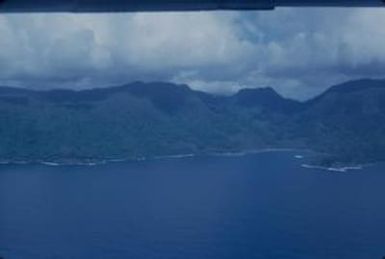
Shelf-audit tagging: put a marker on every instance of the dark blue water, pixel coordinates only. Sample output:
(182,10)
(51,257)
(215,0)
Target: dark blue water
(255,206)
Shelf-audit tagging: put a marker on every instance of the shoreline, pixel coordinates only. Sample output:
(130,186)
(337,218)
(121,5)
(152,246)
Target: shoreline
(103,161)
(97,162)
(344,169)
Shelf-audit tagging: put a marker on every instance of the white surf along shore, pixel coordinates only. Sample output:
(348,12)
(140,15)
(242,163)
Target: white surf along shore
(334,169)
(91,162)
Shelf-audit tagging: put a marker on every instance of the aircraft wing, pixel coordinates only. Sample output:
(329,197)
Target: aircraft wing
(169,5)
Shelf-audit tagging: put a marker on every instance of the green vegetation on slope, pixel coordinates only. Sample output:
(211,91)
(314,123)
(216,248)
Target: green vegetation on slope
(152,119)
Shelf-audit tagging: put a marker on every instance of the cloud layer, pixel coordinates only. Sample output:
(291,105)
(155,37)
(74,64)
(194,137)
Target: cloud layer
(297,51)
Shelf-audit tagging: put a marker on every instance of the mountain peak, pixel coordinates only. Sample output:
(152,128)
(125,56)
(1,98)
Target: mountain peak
(256,96)
(258,90)
(364,86)
(357,85)
(265,97)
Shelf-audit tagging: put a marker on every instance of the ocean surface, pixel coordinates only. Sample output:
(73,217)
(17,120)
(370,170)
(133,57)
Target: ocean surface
(253,206)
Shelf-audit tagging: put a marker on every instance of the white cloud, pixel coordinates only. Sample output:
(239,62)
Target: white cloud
(297,51)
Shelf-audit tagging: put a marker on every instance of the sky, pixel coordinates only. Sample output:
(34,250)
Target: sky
(297,51)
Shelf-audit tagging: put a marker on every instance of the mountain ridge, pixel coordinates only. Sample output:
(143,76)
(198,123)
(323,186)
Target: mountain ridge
(152,119)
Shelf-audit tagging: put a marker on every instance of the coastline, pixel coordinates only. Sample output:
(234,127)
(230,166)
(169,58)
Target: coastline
(96,162)
(103,161)
(343,169)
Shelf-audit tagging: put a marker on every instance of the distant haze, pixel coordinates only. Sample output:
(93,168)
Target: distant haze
(299,52)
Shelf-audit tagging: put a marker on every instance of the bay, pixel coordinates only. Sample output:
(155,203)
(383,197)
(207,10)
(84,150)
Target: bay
(261,205)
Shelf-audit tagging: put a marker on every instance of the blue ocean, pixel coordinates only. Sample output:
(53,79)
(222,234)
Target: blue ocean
(208,207)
